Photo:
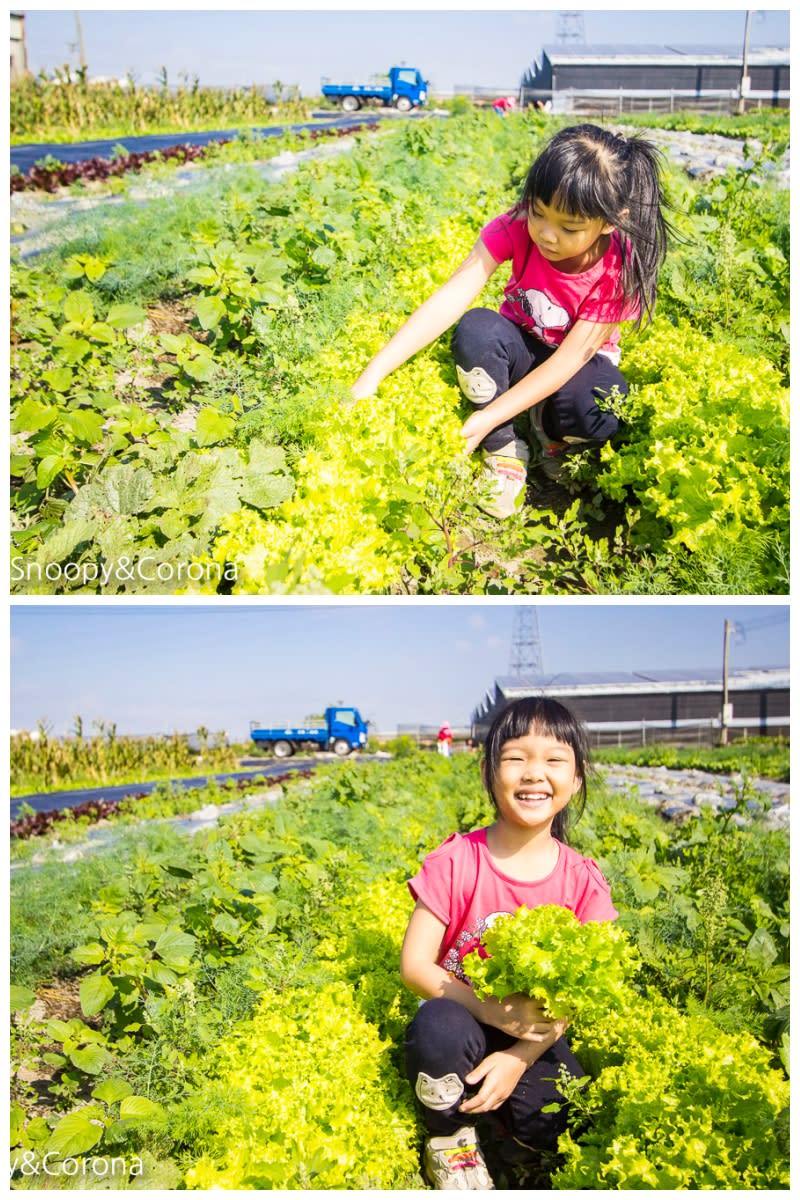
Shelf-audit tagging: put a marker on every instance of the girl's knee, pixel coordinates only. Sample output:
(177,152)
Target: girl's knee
(440,1018)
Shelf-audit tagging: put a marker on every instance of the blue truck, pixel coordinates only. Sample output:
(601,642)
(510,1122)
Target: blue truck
(344,730)
(403,88)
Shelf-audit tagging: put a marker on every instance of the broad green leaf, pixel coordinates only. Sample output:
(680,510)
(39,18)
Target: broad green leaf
(60,1031)
(210,311)
(761,948)
(160,973)
(59,378)
(17,1116)
(265,457)
(213,426)
(95,268)
(61,544)
(129,489)
(95,992)
(21,997)
(111,1090)
(54,1060)
(176,948)
(101,331)
(79,309)
(92,953)
(72,349)
(200,368)
(227,925)
(76,1133)
(36,1132)
(205,276)
(265,491)
(85,425)
(172,342)
(123,316)
(139,1107)
(173,524)
(323,256)
(90,1059)
(49,469)
(32,415)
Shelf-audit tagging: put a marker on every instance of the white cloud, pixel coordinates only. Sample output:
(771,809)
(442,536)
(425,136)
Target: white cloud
(476,621)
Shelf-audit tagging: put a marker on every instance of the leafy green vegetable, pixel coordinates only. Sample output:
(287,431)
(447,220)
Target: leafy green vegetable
(578,970)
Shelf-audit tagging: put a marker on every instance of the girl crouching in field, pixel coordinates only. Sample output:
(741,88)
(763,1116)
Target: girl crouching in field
(585,240)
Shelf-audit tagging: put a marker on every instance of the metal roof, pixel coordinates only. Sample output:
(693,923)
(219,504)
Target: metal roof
(688,679)
(757,56)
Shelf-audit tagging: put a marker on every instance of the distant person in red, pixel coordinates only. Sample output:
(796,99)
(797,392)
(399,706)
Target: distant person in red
(504,104)
(445,739)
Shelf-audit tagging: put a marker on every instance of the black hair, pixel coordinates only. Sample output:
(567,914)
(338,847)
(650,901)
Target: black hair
(591,172)
(550,717)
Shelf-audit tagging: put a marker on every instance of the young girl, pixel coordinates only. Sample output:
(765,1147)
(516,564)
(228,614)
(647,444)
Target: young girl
(585,241)
(466,1057)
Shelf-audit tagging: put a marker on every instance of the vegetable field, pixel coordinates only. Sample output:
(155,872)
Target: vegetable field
(225,1011)
(180,388)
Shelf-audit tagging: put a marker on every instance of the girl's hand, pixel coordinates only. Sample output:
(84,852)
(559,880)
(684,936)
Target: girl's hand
(523,1018)
(475,429)
(500,1072)
(365,385)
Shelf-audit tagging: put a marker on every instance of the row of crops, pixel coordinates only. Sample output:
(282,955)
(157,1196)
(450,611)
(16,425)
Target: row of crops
(226,1012)
(69,107)
(182,419)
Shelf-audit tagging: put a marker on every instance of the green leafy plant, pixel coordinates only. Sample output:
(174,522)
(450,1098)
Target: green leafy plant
(578,970)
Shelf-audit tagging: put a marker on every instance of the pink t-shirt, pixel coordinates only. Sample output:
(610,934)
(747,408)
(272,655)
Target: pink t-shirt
(547,302)
(462,885)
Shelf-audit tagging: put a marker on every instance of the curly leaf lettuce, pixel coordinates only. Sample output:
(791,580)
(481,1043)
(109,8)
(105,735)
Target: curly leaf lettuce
(578,971)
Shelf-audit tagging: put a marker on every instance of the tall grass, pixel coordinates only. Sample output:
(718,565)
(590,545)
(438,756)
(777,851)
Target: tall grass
(40,762)
(69,106)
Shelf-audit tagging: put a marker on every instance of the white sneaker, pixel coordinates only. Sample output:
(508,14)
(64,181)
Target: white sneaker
(455,1163)
(506,472)
(553,453)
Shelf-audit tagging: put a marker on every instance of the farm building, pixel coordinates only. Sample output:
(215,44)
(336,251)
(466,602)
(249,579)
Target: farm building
(686,71)
(675,705)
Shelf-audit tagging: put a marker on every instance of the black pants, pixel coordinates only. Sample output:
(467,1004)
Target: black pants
(444,1043)
(492,354)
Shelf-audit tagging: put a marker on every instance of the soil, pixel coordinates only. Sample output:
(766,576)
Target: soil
(59,1001)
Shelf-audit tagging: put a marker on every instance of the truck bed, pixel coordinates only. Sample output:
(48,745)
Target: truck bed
(298,731)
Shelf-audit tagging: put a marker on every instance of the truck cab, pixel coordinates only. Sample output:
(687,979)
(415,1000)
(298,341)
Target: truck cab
(408,88)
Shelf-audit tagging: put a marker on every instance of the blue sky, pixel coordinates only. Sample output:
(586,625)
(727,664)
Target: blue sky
(158,668)
(463,45)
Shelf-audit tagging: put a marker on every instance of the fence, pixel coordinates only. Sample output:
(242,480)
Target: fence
(613,101)
(683,733)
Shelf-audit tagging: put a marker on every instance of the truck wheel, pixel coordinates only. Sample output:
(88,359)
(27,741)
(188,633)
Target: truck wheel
(283,749)
(341,747)
(351,103)
(402,104)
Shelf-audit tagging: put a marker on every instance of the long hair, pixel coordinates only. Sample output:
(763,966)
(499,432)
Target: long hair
(539,714)
(590,172)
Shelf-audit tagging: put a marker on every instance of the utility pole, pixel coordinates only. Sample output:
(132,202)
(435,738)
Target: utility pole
(81,47)
(744,83)
(727,711)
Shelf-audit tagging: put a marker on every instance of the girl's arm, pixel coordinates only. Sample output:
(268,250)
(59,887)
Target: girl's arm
(432,318)
(517,1015)
(578,347)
